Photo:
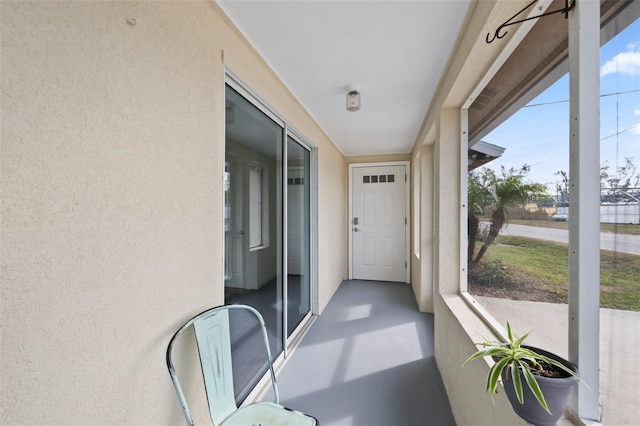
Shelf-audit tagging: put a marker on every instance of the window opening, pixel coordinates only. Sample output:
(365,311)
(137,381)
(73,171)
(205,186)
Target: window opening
(379,179)
(255,206)
(527,269)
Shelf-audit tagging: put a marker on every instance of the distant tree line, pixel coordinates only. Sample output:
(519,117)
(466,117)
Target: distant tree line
(621,186)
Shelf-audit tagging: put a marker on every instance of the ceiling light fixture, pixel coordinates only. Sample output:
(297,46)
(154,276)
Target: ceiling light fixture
(353,100)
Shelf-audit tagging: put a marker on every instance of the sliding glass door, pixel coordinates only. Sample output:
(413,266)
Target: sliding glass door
(268,232)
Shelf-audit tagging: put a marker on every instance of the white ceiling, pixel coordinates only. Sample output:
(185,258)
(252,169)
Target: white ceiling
(394,51)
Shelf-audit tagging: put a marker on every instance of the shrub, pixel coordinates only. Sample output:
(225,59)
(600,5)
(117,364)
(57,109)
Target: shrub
(495,274)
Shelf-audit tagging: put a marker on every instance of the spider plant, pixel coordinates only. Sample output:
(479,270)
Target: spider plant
(516,360)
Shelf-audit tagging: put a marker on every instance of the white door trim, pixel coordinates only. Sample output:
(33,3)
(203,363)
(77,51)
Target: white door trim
(407,230)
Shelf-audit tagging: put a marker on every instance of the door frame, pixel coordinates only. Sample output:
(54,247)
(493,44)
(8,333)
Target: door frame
(407,212)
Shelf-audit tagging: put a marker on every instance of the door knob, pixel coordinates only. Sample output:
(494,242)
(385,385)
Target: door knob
(355,229)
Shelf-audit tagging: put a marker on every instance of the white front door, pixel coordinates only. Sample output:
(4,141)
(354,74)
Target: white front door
(379,223)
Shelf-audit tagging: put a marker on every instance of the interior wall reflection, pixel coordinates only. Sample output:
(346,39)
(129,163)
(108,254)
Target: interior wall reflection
(253,229)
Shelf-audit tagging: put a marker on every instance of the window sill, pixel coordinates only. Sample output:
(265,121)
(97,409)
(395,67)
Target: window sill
(472,317)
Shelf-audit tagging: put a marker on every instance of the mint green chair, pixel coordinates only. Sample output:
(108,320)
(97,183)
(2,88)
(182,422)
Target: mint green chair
(213,338)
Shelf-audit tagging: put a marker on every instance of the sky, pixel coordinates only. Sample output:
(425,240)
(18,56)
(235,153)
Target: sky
(538,135)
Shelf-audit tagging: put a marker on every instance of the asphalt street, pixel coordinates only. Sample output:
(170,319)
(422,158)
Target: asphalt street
(608,241)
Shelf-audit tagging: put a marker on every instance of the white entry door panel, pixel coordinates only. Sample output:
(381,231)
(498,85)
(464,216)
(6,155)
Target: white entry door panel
(378,223)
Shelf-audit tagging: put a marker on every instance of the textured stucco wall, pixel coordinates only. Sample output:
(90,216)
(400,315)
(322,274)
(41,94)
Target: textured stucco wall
(112,167)
(456,326)
(427,229)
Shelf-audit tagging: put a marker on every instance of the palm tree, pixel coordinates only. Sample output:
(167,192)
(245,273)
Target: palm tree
(477,198)
(507,190)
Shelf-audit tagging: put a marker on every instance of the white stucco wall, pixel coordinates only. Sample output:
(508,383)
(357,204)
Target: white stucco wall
(456,326)
(422,272)
(112,167)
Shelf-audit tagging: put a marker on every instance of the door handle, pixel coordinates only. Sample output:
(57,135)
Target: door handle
(355,230)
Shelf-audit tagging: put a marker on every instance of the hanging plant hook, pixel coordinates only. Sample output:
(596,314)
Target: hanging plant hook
(497,34)
(568,6)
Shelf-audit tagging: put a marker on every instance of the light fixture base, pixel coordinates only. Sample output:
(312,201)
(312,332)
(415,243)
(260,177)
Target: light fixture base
(353,100)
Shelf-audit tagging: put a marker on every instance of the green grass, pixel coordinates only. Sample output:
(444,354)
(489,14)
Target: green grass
(604,227)
(548,261)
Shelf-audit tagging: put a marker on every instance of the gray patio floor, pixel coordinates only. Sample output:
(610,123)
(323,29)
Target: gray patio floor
(368,360)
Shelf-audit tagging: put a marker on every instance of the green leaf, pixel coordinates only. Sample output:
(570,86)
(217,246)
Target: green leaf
(494,351)
(518,342)
(476,355)
(509,333)
(525,354)
(517,381)
(494,374)
(533,385)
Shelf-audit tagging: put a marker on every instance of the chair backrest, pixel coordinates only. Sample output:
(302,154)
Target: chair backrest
(213,338)
(214,346)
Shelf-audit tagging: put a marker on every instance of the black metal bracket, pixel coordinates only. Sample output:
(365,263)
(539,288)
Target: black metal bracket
(568,6)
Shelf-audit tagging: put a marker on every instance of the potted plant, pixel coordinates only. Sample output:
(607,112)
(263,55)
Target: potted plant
(549,378)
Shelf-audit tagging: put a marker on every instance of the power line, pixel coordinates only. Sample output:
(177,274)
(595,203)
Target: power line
(622,131)
(619,93)
(550,158)
(546,103)
(567,152)
(567,100)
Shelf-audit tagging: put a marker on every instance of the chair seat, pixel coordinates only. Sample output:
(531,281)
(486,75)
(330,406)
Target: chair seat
(268,414)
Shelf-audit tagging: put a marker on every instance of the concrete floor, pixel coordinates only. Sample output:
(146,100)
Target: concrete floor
(367,360)
(619,348)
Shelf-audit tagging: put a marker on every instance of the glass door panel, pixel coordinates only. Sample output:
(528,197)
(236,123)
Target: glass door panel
(256,225)
(253,232)
(298,234)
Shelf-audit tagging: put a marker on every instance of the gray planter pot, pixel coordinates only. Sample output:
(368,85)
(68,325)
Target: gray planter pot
(556,392)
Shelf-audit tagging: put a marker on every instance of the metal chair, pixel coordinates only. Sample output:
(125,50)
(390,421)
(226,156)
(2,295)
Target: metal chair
(213,338)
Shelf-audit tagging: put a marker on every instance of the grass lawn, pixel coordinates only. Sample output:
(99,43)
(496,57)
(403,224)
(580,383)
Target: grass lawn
(604,227)
(548,261)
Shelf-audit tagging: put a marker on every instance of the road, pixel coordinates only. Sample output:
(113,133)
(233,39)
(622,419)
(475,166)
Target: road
(608,241)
